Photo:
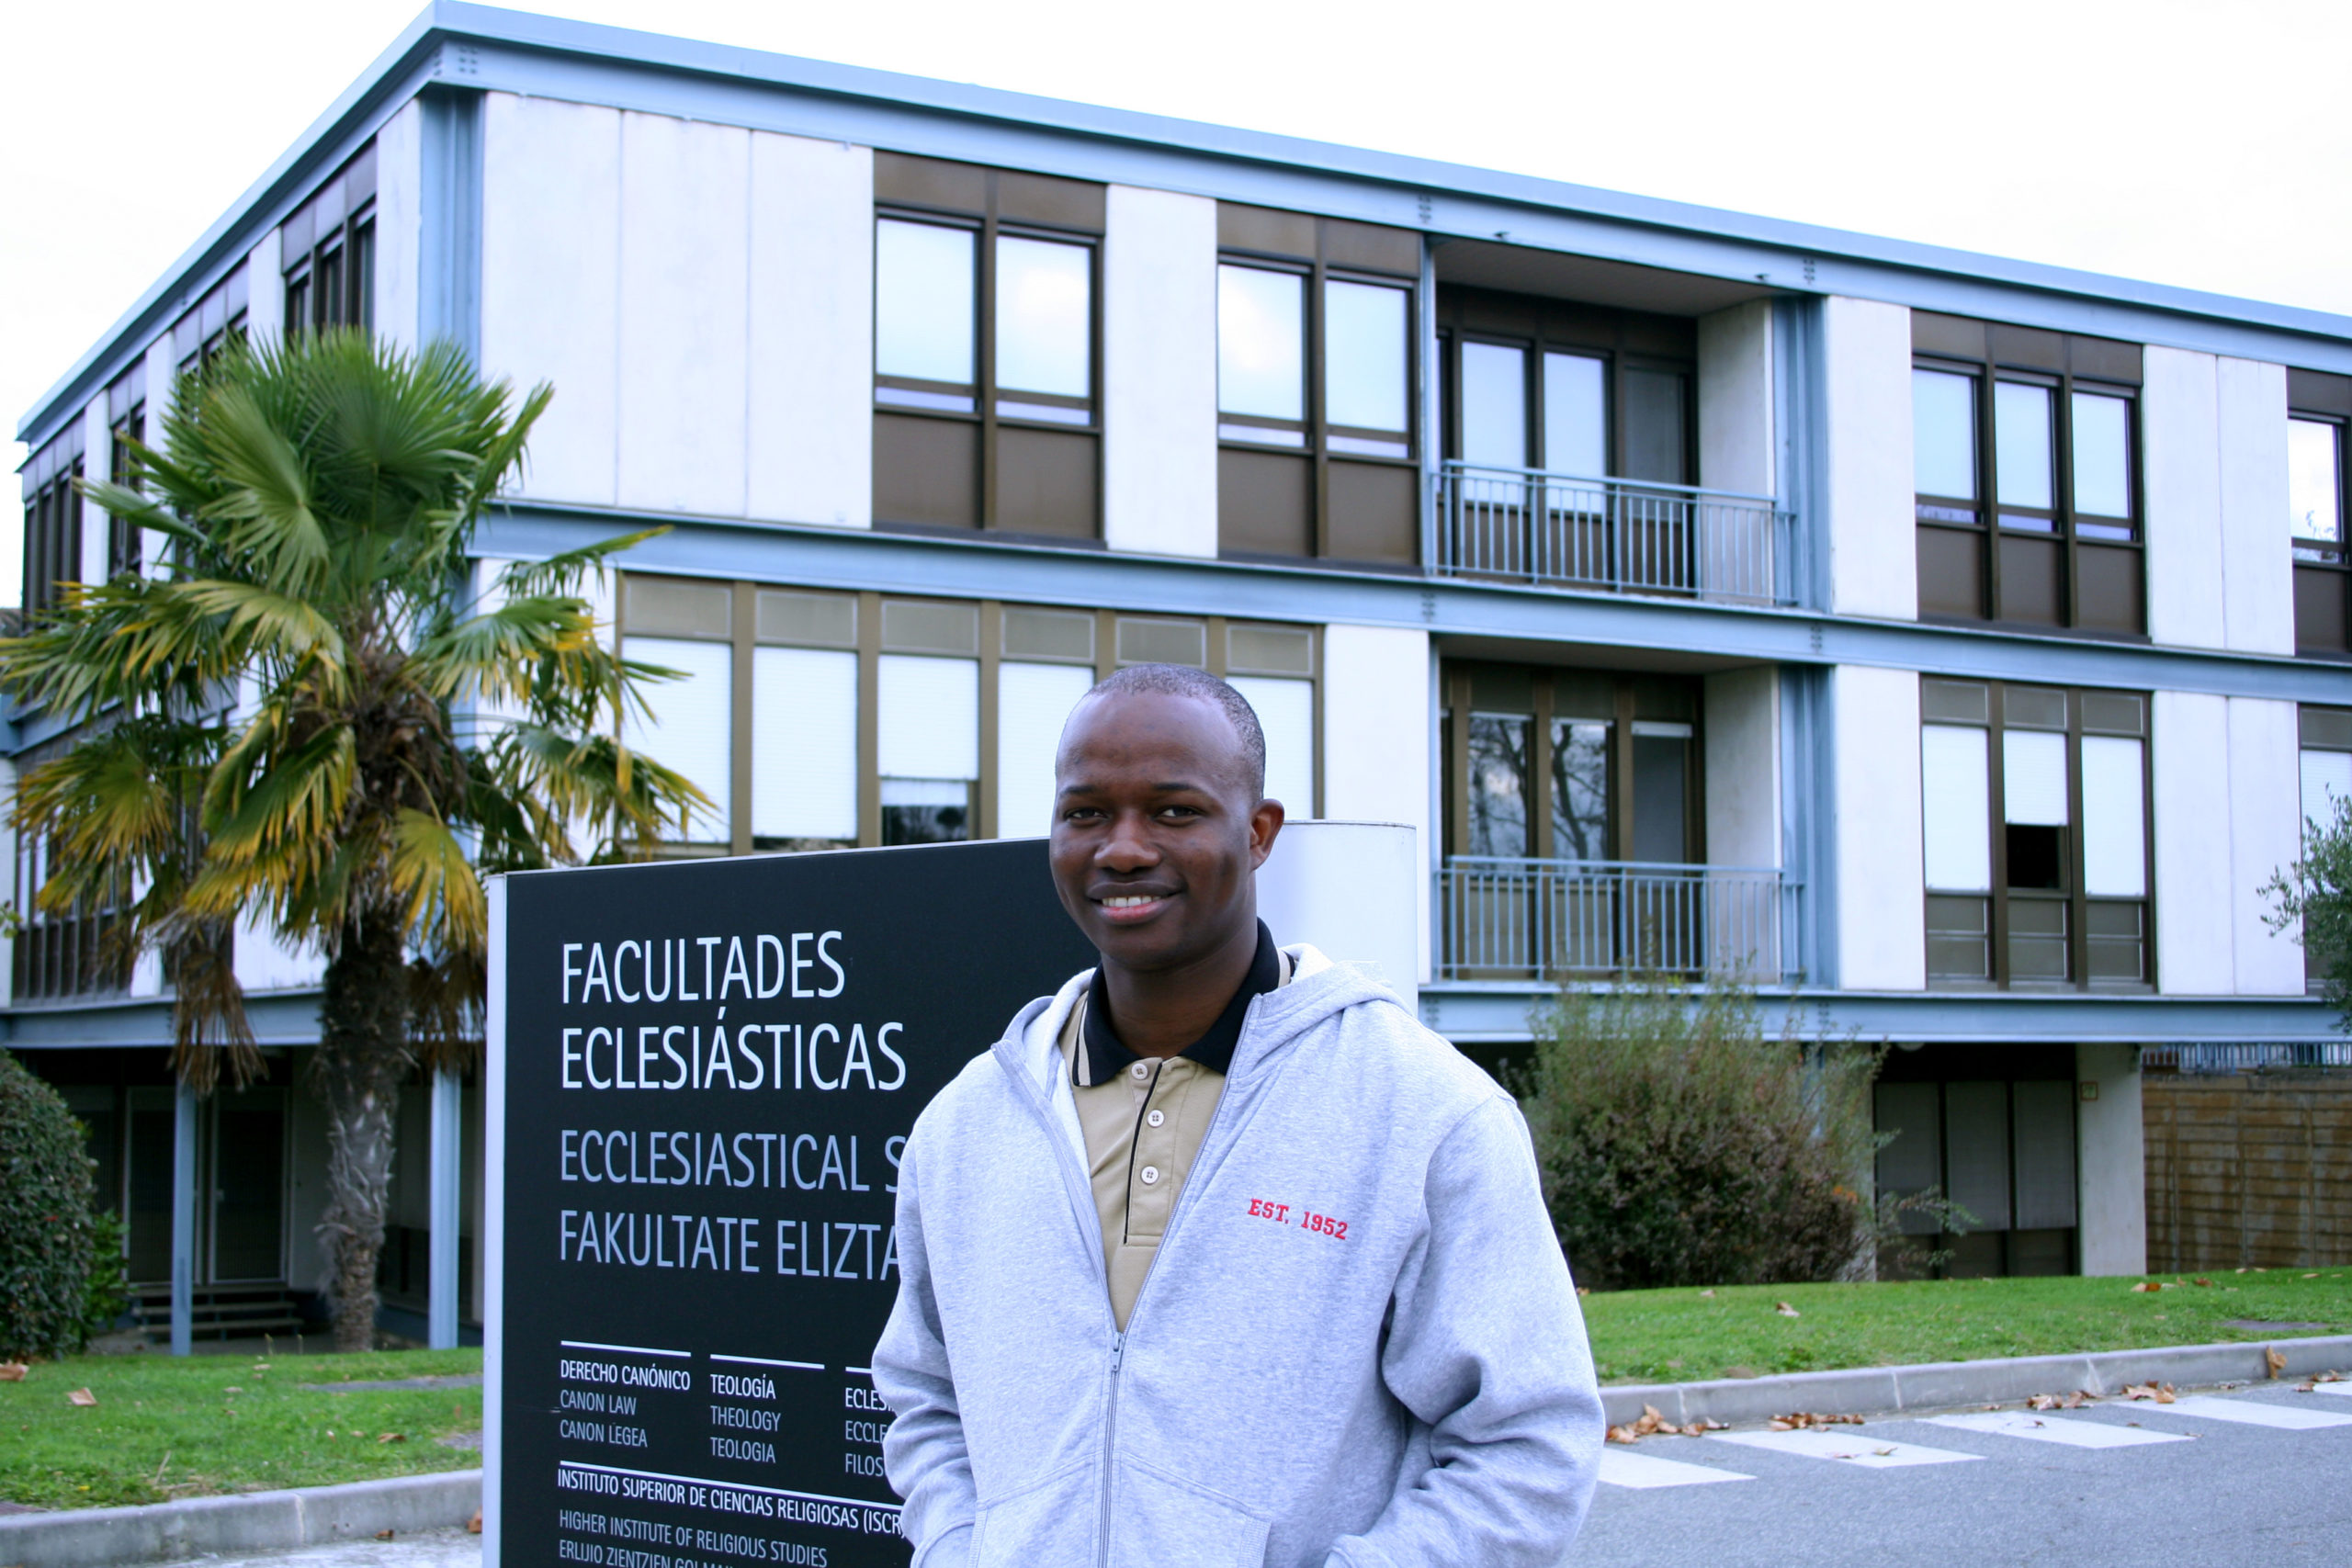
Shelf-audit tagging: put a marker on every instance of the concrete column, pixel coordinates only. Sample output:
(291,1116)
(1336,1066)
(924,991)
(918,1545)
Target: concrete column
(2112,1160)
(446,1204)
(1879,908)
(97,460)
(183,1219)
(1378,725)
(1736,439)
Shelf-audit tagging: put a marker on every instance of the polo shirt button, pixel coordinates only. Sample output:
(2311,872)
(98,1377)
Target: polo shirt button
(1156,1118)
(1150,1174)
(1140,1070)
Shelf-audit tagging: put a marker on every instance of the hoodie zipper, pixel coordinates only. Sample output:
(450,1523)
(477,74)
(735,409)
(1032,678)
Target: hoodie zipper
(1110,1437)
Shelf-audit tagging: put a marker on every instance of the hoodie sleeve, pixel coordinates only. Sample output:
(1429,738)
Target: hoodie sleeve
(1487,1348)
(924,1451)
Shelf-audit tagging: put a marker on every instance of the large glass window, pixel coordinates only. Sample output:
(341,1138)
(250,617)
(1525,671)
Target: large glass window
(127,426)
(955,706)
(2320,408)
(2044,425)
(1316,388)
(2035,827)
(52,555)
(2326,789)
(985,345)
(1545,384)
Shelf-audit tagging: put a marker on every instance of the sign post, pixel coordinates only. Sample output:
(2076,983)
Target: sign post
(701,1075)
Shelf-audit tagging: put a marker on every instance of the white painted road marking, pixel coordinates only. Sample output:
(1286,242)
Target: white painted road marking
(1619,1468)
(2341,1390)
(1854,1445)
(2056,1429)
(2250,1412)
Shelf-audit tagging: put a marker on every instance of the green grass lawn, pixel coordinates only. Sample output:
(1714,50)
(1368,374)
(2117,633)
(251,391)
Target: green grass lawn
(1681,1335)
(167,1428)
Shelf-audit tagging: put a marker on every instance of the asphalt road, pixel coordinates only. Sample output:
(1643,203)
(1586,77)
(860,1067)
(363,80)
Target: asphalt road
(2209,1482)
(2209,1491)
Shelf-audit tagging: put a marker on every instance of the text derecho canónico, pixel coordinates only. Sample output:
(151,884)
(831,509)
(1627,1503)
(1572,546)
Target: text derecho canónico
(750,1053)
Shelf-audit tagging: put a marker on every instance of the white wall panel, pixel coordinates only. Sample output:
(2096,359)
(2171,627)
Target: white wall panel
(1377,707)
(1881,911)
(2190,766)
(97,451)
(685,314)
(1742,764)
(2181,463)
(550,282)
(2113,1162)
(160,370)
(1160,372)
(812,372)
(2257,551)
(1873,551)
(266,290)
(2266,836)
(399,224)
(1736,433)
(266,963)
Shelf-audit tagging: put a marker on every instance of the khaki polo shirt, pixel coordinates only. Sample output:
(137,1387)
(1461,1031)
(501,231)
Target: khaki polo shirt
(1144,1119)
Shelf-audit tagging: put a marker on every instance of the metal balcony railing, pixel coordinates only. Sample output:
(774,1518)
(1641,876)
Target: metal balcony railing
(1623,536)
(1501,919)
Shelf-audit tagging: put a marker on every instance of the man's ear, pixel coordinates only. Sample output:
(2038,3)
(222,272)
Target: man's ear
(1265,825)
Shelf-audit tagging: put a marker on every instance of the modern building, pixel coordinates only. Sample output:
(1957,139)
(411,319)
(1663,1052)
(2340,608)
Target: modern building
(1951,645)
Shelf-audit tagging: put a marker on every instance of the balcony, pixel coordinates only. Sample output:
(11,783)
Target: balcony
(1553,919)
(1615,536)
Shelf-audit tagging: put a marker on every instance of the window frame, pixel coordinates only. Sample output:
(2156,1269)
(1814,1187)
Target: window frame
(984,217)
(54,518)
(342,252)
(871,643)
(2072,893)
(126,424)
(2067,522)
(1324,251)
(2323,569)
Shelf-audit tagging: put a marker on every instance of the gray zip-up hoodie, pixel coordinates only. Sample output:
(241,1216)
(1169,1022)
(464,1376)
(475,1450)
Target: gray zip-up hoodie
(1358,1343)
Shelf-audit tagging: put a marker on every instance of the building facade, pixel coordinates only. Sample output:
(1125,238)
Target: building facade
(1949,646)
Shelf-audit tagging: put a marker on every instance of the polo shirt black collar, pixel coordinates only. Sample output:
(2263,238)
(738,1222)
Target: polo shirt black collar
(1102,1057)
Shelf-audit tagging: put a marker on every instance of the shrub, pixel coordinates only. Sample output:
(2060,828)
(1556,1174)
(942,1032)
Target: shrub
(1682,1146)
(107,1294)
(45,1225)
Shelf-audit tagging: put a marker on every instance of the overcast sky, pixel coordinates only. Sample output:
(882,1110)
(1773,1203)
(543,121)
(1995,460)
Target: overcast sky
(2203,145)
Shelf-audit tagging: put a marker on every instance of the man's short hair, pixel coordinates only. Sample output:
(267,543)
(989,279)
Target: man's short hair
(1183,681)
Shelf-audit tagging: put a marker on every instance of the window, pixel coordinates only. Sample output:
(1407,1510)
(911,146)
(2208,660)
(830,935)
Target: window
(1579,390)
(2326,786)
(986,367)
(127,422)
(1993,1130)
(2035,828)
(2024,456)
(1316,388)
(868,720)
(218,320)
(1571,765)
(52,520)
(328,251)
(2319,408)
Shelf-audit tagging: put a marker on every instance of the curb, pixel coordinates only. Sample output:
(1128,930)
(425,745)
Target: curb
(1938,1386)
(250,1521)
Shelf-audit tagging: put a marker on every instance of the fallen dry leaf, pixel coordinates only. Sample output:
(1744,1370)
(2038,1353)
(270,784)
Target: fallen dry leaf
(393,1437)
(1653,1421)
(1785,1310)
(1623,1435)
(473,1526)
(1798,1420)
(1584,1290)
(2150,1286)
(2202,1281)
(2310,1276)
(1706,1292)
(2162,1392)
(2272,1359)
(1883,1453)
(383,1535)
(13,1371)
(81,1396)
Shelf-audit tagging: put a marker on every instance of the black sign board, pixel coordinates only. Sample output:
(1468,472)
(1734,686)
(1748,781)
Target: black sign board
(703,1074)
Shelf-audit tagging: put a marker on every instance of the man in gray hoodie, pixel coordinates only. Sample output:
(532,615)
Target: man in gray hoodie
(1219,1258)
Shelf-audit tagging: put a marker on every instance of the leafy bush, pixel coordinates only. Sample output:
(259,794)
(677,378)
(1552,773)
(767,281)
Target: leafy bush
(107,1294)
(1682,1146)
(45,1228)
(2311,900)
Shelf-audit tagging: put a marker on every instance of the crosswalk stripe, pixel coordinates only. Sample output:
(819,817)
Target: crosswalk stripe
(2250,1412)
(1855,1447)
(2055,1430)
(1619,1468)
(2341,1390)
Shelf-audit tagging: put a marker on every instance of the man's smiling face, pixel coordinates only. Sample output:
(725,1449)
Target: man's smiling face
(1157,828)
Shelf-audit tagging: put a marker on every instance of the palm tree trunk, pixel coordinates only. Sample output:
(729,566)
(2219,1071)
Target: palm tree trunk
(362,1058)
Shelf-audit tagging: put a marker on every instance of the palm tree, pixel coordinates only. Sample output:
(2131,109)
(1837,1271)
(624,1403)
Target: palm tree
(310,722)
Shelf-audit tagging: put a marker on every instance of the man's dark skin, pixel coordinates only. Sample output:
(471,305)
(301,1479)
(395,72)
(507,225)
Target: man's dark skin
(1154,801)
